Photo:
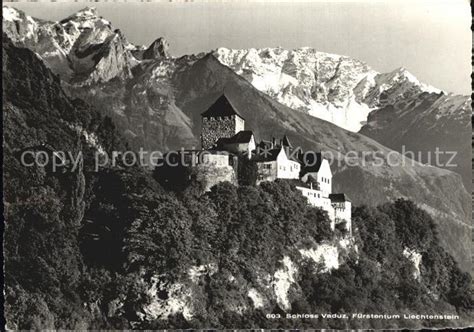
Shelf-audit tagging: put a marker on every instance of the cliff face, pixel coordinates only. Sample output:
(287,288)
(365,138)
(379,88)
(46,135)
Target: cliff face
(83,48)
(279,286)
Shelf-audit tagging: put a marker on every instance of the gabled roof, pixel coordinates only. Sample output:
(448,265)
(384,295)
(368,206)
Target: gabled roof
(338,198)
(264,144)
(310,165)
(267,155)
(221,107)
(264,154)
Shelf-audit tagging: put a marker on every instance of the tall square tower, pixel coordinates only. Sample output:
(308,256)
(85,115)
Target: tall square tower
(221,120)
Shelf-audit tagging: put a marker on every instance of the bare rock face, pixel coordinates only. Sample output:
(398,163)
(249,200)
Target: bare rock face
(317,83)
(93,63)
(83,48)
(157,50)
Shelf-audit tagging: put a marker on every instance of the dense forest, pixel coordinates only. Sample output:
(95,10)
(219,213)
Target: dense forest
(83,248)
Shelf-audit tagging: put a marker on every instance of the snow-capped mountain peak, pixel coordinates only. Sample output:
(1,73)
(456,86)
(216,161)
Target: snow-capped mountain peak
(10,14)
(85,18)
(401,74)
(388,88)
(305,79)
(332,87)
(85,13)
(82,48)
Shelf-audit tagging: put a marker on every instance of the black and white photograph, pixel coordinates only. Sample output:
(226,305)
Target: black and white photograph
(295,165)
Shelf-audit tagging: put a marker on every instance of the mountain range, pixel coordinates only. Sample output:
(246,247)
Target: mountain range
(321,101)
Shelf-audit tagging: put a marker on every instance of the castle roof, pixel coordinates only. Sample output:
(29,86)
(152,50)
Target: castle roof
(265,144)
(338,198)
(221,107)
(267,155)
(199,152)
(264,154)
(243,136)
(310,165)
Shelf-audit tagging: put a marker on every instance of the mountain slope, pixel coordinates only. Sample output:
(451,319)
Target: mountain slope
(424,125)
(83,48)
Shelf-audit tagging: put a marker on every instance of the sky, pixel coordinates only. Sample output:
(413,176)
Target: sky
(430,38)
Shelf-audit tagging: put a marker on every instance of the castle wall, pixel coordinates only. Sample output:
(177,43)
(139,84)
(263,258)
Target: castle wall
(214,128)
(212,174)
(267,171)
(218,160)
(239,124)
(316,198)
(343,213)
(323,177)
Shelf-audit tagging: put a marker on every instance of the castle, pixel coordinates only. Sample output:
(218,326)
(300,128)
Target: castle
(224,138)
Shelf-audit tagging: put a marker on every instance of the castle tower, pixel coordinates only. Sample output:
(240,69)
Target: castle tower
(221,120)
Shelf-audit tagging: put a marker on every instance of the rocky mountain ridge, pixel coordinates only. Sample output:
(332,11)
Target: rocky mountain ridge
(332,87)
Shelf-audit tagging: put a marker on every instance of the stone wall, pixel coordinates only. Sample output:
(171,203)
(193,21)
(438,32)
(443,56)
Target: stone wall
(210,175)
(266,171)
(215,128)
(343,213)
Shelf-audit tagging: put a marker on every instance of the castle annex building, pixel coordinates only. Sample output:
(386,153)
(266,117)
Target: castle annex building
(224,139)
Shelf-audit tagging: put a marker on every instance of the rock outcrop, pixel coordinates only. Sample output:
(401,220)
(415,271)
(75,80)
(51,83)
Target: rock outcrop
(157,50)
